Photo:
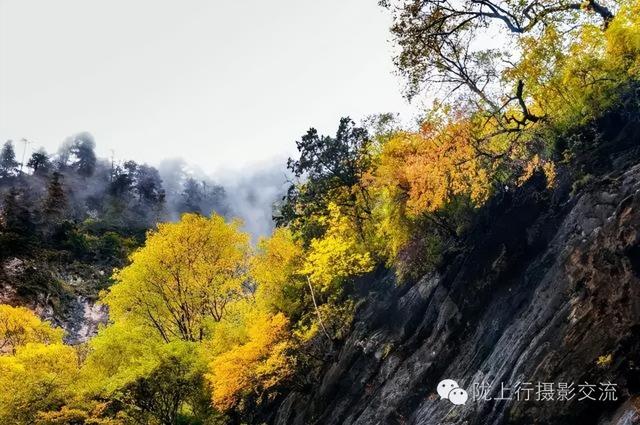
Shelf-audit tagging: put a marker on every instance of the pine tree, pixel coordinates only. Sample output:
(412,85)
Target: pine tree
(56,201)
(8,163)
(17,223)
(191,197)
(83,150)
(148,185)
(39,162)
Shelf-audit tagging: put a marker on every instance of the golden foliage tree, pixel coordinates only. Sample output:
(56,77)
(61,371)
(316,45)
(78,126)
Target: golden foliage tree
(183,278)
(37,378)
(254,367)
(19,326)
(434,165)
(275,269)
(37,371)
(337,255)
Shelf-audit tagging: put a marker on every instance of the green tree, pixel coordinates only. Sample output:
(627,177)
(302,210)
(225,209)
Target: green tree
(55,203)
(177,379)
(39,162)
(83,149)
(122,179)
(192,197)
(8,163)
(329,169)
(149,380)
(18,224)
(148,185)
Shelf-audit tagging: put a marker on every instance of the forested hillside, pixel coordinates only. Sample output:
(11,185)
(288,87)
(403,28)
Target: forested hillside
(69,218)
(497,238)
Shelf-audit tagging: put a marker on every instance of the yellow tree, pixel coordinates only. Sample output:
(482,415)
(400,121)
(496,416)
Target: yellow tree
(253,368)
(37,371)
(424,171)
(19,326)
(275,269)
(337,255)
(38,378)
(183,278)
(445,164)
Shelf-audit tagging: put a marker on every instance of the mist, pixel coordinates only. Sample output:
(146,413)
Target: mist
(248,194)
(252,193)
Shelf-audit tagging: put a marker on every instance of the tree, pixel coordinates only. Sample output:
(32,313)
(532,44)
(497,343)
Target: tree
(39,162)
(163,307)
(275,269)
(175,380)
(444,46)
(19,326)
(213,198)
(183,278)
(138,351)
(337,255)
(192,197)
(37,378)
(8,163)
(123,178)
(56,201)
(330,169)
(434,165)
(18,226)
(16,216)
(254,367)
(36,369)
(83,149)
(436,37)
(150,380)
(148,185)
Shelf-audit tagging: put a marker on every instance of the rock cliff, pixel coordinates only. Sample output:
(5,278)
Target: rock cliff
(547,291)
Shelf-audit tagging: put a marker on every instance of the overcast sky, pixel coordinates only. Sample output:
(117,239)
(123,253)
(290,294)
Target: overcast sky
(220,83)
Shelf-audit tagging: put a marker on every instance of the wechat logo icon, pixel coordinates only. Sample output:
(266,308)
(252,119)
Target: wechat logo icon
(450,390)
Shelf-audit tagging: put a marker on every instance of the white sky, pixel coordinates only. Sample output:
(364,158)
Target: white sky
(219,83)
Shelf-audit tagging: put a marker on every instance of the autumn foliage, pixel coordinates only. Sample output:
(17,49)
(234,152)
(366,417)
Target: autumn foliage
(253,368)
(203,323)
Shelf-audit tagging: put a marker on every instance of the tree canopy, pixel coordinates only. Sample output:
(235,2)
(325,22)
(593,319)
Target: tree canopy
(184,277)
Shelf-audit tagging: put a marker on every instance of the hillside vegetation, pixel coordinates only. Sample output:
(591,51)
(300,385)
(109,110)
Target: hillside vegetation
(68,219)
(206,328)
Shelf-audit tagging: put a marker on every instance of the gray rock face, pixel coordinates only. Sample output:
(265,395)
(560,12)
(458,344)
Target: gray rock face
(85,318)
(550,285)
(79,315)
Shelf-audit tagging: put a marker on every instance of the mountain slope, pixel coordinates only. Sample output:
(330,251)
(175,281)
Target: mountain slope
(549,284)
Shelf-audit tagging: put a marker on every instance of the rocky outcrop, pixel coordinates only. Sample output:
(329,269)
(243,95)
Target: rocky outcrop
(64,298)
(84,318)
(547,292)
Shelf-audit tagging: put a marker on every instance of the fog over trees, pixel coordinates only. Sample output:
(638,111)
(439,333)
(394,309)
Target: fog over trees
(75,185)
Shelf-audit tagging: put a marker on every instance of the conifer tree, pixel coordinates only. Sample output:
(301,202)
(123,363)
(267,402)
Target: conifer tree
(8,163)
(191,197)
(56,200)
(83,150)
(39,162)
